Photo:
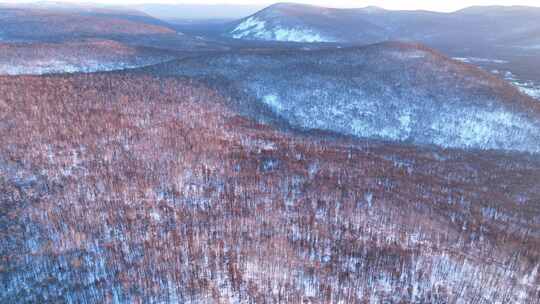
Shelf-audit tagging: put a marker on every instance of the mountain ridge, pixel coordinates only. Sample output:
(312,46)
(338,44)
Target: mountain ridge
(393,91)
(369,25)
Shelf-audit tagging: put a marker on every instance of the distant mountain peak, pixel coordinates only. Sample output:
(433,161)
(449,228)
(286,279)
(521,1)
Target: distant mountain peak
(280,5)
(500,8)
(493,25)
(293,22)
(34,22)
(373,9)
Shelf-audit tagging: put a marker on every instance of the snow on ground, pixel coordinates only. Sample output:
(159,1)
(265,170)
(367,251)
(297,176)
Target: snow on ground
(253,28)
(476,128)
(298,35)
(509,76)
(454,127)
(40,67)
(409,55)
(479,60)
(250,26)
(273,102)
(528,88)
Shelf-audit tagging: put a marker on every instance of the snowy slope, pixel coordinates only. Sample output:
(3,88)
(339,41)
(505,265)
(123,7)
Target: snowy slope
(534,92)
(76,56)
(390,91)
(302,23)
(254,28)
(127,188)
(494,26)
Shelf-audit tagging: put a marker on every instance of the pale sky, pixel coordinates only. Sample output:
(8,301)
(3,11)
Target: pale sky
(436,5)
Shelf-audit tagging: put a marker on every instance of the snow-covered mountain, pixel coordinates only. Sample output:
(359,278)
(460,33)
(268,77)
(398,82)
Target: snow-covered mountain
(390,91)
(515,26)
(255,28)
(90,55)
(302,23)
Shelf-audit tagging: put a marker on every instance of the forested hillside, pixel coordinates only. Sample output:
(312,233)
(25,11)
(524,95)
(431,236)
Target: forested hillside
(390,91)
(474,27)
(29,23)
(129,188)
(89,55)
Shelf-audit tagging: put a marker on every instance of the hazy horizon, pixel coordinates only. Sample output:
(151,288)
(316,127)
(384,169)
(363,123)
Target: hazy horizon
(392,4)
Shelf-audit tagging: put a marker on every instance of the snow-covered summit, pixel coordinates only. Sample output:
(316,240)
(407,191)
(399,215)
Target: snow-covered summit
(257,29)
(298,23)
(308,23)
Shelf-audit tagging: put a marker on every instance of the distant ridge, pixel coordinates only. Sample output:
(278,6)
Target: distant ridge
(42,22)
(65,22)
(174,12)
(489,25)
(89,55)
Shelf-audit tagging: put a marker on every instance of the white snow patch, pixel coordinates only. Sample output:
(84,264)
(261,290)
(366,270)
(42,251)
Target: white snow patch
(509,76)
(40,67)
(273,102)
(155,215)
(405,120)
(533,92)
(409,55)
(368,197)
(255,28)
(528,88)
(250,26)
(530,278)
(298,35)
(484,129)
(479,60)
(462,59)
(468,127)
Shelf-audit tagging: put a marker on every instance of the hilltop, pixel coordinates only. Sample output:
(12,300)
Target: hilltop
(390,91)
(511,26)
(88,55)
